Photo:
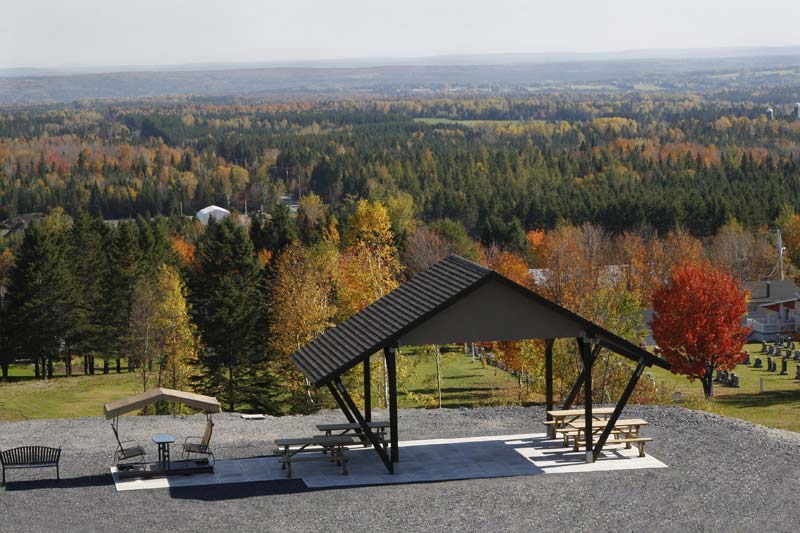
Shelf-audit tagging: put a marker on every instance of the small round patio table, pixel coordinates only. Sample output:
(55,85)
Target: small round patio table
(163,440)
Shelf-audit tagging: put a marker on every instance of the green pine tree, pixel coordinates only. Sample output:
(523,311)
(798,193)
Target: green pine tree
(226,306)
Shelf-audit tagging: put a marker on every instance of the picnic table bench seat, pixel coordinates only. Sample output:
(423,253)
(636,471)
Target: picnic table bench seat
(627,441)
(341,459)
(30,457)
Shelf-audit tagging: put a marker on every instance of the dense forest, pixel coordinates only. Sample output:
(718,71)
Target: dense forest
(591,200)
(501,166)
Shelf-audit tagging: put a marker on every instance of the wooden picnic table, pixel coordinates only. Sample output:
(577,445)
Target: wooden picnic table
(626,429)
(379,430)
(562,417)
(328,448)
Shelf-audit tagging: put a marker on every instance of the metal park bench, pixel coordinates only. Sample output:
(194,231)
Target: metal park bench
(30,457)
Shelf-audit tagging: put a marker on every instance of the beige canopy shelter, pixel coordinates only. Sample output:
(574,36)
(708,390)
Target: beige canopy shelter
(116,408)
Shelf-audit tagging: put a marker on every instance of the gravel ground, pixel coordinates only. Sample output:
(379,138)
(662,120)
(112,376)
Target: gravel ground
(724,475)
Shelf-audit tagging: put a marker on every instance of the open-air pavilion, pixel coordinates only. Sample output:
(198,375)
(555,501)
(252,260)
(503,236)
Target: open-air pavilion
(458,301)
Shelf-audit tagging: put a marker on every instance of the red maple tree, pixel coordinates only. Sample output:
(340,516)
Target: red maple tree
(697,322)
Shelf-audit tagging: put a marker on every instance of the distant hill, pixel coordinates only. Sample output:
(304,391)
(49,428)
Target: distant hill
(666,70)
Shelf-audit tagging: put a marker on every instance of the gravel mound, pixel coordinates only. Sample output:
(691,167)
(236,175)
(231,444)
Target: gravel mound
(724,475)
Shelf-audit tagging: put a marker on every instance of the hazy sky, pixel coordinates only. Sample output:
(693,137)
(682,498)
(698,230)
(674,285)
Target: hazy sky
(51,33)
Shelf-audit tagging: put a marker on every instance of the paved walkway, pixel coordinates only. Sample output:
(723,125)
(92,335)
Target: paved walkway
(420,461)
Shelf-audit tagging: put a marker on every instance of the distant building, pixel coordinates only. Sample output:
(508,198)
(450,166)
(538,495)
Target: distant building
(772,308)
(17,224)
(770,113)
(797,110)
(610,276)
(291,204)
(212,211)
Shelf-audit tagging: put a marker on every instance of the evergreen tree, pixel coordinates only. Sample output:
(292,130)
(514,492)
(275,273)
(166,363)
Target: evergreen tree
(227,309)
(125,269)
(89,265)
(39,297)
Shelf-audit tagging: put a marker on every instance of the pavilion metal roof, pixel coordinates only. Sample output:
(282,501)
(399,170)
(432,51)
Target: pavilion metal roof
(434,307)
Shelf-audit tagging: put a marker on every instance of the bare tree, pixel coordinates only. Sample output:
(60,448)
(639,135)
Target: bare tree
(423,249)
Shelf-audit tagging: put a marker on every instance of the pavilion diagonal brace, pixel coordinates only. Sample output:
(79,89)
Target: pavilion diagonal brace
(364,426)
(342,405)
(345,410)
(623,400)
(576,388)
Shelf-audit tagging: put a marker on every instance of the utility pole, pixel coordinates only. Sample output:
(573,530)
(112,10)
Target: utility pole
(780,250)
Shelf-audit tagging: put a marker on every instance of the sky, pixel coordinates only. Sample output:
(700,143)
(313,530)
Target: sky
(96,33)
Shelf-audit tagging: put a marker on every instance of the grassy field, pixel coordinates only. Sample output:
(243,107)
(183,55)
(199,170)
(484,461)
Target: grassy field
(778,406)
(63,397)
(464,384)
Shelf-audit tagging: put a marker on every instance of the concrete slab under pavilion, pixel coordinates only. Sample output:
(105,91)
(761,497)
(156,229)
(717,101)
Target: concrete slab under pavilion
(424,461)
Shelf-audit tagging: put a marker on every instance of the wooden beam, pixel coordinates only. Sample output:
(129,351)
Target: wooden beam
(548,383)
(391,367)
(623,400)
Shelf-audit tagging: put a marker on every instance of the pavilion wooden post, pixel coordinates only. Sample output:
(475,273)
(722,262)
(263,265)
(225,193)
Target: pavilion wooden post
(586,352)
(367,391)
(391,366)
(548,384)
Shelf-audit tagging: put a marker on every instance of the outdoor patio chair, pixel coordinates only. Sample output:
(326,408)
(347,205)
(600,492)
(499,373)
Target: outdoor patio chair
(201,447)
(124,452)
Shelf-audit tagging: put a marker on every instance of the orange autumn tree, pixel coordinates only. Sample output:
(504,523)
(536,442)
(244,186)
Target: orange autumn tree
(697,322)
(513,267)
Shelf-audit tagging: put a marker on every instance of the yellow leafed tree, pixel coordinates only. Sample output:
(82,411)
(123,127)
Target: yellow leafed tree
(369,266)
(178,342)
(302,308)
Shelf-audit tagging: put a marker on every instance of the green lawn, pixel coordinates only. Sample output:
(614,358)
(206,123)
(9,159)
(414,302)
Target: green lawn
(778,406)
(464,383)
(64,397)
